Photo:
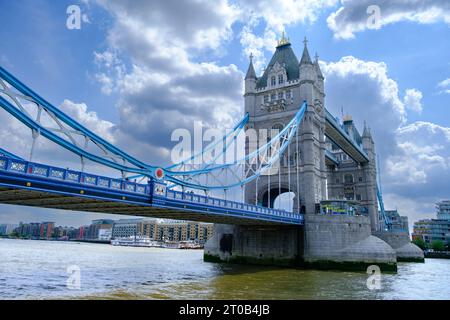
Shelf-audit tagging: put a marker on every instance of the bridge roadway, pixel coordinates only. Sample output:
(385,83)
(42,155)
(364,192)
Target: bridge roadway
(32,184)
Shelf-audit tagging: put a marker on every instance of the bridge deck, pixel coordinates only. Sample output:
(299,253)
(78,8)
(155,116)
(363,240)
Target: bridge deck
(30,184)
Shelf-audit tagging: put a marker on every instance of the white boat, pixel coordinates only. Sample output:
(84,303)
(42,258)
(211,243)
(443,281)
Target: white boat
(136,242)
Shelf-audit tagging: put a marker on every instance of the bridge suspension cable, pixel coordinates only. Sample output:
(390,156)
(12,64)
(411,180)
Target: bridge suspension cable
(386,219)
(50,122)
(210,176)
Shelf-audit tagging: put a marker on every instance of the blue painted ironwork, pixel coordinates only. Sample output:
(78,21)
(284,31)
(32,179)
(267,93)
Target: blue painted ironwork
(334,123)
(184,178)
(330,156)
(387,220)
(6,153)
(33,176)
(15,108)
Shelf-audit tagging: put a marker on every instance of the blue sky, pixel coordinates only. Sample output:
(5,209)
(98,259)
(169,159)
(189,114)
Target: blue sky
(128,56)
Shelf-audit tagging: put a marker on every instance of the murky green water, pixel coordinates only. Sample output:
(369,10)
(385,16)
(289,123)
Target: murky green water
(38,270)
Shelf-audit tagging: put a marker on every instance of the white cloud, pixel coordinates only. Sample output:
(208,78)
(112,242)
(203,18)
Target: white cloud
(353,16)
(413,100)
(445,86)
(166,88)
(275,15)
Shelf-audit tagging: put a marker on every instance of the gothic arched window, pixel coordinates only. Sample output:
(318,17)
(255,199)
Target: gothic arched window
(280,79)
(273,81)
(278,126)
(288,94)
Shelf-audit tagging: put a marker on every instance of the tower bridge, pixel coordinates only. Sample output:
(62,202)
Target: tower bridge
(327,165)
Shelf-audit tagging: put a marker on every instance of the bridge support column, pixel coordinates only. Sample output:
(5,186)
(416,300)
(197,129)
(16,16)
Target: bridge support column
(400,242)
(344,242)
(263,245)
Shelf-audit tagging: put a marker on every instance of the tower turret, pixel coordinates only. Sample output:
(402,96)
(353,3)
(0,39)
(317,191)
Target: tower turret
(307,76)
(319,75)
(250,88)
(250,77)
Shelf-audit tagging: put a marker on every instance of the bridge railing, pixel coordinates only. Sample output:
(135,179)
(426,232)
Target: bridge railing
(67,175)
(31,169)
(229,204)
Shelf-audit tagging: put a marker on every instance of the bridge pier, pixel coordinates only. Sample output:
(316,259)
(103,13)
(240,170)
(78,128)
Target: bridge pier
(400,242)
(263,245)
(345,242)
(339,242)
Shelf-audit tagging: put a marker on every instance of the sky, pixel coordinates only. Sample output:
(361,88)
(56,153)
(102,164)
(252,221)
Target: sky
(137,70)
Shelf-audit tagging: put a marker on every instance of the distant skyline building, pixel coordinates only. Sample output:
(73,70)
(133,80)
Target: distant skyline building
(7,229)
(173,230)
(125,228)
(107,229)
(443,209)
(430,230)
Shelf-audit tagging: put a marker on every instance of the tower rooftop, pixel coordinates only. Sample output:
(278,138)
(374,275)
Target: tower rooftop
(285,56)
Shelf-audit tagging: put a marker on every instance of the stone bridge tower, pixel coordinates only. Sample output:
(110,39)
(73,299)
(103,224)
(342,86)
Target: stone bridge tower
(326,241)
(272,101)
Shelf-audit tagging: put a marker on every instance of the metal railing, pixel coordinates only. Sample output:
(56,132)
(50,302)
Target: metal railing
(229,204)
(59,174)
(67,175)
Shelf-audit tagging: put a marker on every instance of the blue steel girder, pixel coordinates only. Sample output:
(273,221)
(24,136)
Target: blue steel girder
(330,158)
(12,92)
(253,164)
(337,134)
(5,153)
(33,184)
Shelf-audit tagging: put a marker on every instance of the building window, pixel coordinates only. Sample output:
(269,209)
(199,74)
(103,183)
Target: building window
(280,79)
(273,81)
(266,98)
(273,97)
(358,197)
(360,179)
(288,94)
(277,127)
(337,180)
(280,95)
(348,178)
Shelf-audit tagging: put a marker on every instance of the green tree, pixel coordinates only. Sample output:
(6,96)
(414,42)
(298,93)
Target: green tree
(420,243)
(438,245)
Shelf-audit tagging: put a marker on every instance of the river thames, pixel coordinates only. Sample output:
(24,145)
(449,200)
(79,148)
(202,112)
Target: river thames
(39,270)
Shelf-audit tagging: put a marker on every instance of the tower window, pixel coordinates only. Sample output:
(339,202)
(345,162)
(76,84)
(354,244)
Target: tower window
(278,127)
(273,81)
(348,178)
(288,94)
(280,79)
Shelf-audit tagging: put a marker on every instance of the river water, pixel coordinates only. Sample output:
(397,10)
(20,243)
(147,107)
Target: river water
(53,270)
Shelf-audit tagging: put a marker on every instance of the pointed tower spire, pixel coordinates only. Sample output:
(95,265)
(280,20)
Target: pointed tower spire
(306,59)
(366,132)
(316,64)
(251,74)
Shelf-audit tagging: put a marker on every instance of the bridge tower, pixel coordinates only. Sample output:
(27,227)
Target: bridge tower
(326,240)
(271,101)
